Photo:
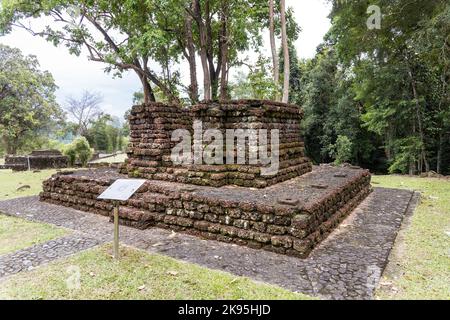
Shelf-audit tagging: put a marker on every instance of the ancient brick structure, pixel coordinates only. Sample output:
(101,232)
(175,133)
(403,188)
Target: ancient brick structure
(289,212)
(151,142)
(37,160)
(290,217)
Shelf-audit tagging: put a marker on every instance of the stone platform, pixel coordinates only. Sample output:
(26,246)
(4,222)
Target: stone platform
(37,160)
(290,218)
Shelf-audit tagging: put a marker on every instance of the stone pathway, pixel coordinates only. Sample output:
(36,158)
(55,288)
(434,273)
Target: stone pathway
(347,265)
(30,258)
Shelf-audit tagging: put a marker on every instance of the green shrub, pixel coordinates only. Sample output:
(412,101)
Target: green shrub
(343,150)
(79,150)
(71,154)
(83,150)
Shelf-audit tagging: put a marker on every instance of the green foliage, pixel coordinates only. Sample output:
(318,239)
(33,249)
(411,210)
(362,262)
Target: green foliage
(386,90)
(343,150)
(79,150)
(71,154)
(257,84)
(28,109)
(83,150)
(127,35)
(106,134)
(405,155)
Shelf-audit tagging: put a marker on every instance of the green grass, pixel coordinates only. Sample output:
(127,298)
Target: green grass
(420,265)
(137,275)
(10,181)
(16,234)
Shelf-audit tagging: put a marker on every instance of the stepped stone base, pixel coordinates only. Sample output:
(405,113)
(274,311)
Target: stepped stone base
(37,160)
(291,217)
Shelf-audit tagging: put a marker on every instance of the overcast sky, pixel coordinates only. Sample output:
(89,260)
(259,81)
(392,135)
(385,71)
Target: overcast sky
(75,74)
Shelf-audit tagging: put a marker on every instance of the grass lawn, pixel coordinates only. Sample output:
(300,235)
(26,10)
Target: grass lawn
(138,275)
(16,233)
(10,182)
(420,266)
(115,159)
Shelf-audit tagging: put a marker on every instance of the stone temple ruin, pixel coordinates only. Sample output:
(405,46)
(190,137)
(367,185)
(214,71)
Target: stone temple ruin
(37,160)
(288,212)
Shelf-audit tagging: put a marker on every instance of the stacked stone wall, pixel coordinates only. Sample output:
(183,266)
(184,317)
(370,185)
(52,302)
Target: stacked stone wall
(37,160)
(151,142)
(272,219)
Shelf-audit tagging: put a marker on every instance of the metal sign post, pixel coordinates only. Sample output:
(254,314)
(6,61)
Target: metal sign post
(120,190)
(116,230)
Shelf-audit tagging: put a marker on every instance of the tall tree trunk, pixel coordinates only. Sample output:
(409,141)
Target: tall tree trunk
(203,49)
(224,52)
(10,146)
(193,89)
(213,74)
(439,153)
(273,46)
(149,96)
(284,39)
(423,159)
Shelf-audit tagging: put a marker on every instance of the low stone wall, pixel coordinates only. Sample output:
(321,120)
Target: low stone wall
(151,142)
(38,160)
(289,218)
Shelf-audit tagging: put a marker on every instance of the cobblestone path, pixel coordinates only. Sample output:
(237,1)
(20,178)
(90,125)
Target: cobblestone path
(29,258)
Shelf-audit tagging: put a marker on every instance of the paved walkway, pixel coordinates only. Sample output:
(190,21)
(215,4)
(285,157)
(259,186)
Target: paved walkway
(347,265)
(29,258)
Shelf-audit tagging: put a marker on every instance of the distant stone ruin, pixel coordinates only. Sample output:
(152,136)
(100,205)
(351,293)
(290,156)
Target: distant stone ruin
(37,160)
(289,211)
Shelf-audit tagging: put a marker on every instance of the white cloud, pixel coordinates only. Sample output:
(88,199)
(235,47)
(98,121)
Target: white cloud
(312,16)
(74,74)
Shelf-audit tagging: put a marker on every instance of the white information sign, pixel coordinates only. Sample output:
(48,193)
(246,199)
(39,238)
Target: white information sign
(121,189)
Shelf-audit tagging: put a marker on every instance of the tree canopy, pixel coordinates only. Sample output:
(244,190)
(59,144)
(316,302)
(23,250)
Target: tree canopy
(150,36)
(27,99)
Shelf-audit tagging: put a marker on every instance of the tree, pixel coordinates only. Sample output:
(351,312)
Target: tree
(84,110)
(257,84)
(139,34)
(28,107)
(106,134)
(79,150)
(400,76)
(285,45)
(292,31)
(225,28)
(273,46)
(124,35)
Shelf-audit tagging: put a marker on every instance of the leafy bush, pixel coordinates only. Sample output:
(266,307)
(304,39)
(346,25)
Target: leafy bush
(343,150)
(71,154)
(406,151)
(83,150)
(79,150)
